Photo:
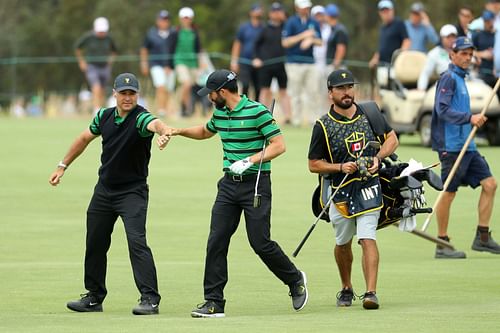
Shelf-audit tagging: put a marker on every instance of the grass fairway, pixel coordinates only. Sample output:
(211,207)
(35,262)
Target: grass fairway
(43,232)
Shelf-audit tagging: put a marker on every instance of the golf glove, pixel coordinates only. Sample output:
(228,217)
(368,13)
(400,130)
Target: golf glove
(240,166)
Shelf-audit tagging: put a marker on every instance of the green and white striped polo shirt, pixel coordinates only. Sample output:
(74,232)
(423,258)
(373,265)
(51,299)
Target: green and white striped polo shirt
(243,131)
(141,123)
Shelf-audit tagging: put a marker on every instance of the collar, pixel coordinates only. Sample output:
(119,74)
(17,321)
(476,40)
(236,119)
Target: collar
(457,70)
(239,106)
(337,116)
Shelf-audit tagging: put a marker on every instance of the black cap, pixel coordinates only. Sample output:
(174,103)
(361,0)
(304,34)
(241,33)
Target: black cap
(126,81)
(216,81)
(340,77)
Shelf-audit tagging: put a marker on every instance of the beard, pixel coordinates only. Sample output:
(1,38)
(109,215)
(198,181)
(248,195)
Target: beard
(219,102)
(345,102)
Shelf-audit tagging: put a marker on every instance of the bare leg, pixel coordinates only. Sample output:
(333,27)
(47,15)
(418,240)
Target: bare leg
(285,105)
(443,213)
(161,101)
(97,97)
(343,256)
(265,96)
(370,263)
(186,97)
(485,207)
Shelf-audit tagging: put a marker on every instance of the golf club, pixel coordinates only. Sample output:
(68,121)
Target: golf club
(257,196)
(372,144)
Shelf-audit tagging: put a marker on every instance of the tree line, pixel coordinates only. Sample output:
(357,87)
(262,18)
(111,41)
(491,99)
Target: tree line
(37,37)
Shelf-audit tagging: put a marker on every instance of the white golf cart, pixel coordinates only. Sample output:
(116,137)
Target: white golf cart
(409,110)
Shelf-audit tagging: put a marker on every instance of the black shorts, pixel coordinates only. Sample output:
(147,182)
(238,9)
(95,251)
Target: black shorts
(268,72)
(472,169)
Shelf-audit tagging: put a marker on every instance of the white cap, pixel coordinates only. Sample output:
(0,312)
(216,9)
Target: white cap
(101,24)
(303,3)
(317,10)
(448,29)
(186,12)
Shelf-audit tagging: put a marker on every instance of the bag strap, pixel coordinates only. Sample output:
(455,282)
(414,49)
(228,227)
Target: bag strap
(375,118)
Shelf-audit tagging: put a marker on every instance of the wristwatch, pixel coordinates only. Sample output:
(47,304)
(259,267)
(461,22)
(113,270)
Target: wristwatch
(62,165)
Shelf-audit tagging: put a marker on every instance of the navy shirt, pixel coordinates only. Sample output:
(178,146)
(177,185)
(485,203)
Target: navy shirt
(337,36)
(247,33)
(294,26)
(391,38)
(484,40)
(158,45)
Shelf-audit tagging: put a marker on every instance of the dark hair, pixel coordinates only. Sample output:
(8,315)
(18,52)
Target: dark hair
(231,86)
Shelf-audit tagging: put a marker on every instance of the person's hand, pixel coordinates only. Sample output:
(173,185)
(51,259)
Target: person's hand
(144,68)
(240,166)
(235,67)
(478,120)
(365,163)
(163,141)
(257,63)
(349,167)
(55,177)
(306,43)
(83,65)
(373,63)
(173,131)
(375,165)
(425,18)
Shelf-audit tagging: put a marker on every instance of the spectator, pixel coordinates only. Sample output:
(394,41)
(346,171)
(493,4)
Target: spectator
(300,34)
(494,7)
(270,60)
(438,58)
(243,50)
(420,30)
(156,48)
(465,17)
(186,48)
(393,35)
(319,51)
(95,51)
(338,39)
(484,41)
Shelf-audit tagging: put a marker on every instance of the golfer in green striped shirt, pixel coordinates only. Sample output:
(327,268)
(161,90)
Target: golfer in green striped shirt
(243,126)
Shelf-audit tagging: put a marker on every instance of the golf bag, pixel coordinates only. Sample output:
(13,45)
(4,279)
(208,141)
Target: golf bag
(402,195)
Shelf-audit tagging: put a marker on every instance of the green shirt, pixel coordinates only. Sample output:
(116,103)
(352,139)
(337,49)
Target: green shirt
(141,123)
(243,131)
(185,53)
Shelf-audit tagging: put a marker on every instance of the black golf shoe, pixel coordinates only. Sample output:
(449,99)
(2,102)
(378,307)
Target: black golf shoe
(87,303)
(209,309)
(298,292)
(345,297)
(489,246)
(370,300)
(146,307)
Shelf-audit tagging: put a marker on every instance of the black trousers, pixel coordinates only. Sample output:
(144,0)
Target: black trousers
(249,75)
(233,197)
(131,205)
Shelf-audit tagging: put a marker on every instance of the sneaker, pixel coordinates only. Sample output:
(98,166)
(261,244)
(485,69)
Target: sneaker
(446,253)
(209,309)
(370,300)
(298,292)
(345,297)
(146,307)
(489,246)
(87,303)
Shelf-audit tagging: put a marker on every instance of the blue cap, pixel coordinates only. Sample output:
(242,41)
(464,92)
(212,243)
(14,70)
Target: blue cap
(332,10)
(487,15)
(163,14)
(385,4)
(275,6)
(463,43)
(255,6)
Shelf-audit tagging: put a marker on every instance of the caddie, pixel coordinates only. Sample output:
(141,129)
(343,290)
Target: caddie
(336,149)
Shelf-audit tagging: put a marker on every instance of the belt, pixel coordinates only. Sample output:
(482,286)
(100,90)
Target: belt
(245,178)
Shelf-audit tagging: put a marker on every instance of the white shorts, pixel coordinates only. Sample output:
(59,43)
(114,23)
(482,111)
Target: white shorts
(363,226)
(162,79)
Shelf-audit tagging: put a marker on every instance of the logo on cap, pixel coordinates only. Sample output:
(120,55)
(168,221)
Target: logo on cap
(127,80)
(344,75)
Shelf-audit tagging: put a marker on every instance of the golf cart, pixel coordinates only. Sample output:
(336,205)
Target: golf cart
(409,110)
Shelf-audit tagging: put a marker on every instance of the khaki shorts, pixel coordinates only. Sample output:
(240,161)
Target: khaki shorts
(363,226)
(161,78)
(186,74)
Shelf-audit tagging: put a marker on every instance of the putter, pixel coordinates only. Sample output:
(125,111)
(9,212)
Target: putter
(257,196)
(372,144)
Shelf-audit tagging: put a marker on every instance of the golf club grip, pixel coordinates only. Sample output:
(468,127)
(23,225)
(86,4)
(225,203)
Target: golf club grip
(297,250)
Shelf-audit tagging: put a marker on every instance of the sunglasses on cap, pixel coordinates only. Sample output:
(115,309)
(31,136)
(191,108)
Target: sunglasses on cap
(230,77)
